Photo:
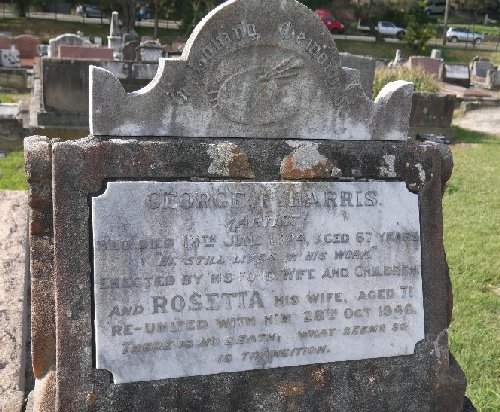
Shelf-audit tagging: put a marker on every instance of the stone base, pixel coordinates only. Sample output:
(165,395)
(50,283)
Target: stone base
(428,380)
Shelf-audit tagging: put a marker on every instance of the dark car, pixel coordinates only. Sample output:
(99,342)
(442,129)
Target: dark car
(87,10)
(333,25)
(143,12)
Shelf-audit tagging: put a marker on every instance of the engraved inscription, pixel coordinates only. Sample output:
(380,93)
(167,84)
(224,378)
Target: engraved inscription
(203,278)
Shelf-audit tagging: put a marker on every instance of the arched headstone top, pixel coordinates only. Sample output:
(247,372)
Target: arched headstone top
(252,68)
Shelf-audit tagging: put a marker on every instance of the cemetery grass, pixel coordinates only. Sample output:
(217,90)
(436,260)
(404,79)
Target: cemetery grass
(386,50)
(47,29)
(471,208)
(12,97)
(12,175)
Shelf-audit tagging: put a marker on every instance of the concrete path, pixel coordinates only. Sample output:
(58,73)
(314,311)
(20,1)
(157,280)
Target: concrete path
(13,299)
(481,120)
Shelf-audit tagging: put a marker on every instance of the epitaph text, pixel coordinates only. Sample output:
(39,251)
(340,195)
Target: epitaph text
(197,278)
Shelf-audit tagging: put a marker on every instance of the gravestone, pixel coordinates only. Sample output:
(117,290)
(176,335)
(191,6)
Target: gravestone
(85,52)
(65,39)
(427,64)
(492,80)
(150,51)
(129,52)
(5,41)
(10,57)
(432,113)
(27,46)
(458,74)
(247,232)
(481,67)
(436,54)
(366,67)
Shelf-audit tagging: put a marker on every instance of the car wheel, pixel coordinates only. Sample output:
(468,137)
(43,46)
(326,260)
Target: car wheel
(476,41)
(454,39)
(400,35)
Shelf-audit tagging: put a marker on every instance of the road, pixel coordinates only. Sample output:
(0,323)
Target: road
(171,24)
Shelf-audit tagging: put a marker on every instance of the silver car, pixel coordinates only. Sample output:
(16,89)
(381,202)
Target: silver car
(455,34)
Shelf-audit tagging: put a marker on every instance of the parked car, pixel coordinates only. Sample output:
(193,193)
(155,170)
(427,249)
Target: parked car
(434,7)
(143,12)
(455,34)
(387,28)
(87,10)
(333,25)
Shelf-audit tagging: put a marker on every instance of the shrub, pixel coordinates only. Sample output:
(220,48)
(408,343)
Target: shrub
(423,81)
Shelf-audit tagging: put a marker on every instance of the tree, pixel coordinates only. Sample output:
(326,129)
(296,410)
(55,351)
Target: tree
(127,15)
(162,8)
(419,33)
(22,7)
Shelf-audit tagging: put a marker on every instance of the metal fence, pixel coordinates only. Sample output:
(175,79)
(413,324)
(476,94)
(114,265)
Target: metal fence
(6,11)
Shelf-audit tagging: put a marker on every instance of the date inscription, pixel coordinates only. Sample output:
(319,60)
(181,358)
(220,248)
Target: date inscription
(198,278)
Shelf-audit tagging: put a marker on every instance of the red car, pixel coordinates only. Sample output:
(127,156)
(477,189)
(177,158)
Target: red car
(332,24)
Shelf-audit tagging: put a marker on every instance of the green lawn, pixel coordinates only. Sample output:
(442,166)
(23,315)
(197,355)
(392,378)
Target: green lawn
(386,50)
(12,171)
(472,241)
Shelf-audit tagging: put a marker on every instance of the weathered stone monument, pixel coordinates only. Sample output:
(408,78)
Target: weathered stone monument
(65,39)
(248,232)
(458,74)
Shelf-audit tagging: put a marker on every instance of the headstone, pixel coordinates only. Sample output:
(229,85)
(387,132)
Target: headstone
(366,67)
(98,40)
(427,64)
(129,52)
(492,80)
(436,54)
(432,113)
(128,37)
(115,38)
(27,46)
(10,57)
(458,74)
(248,232)
(150,51)
(175,49)
(481,67)
(398,59)
(85,52)
(65,39)
(43,49)
(5,41)
(64,92)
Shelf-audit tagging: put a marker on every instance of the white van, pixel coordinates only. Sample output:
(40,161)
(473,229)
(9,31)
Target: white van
(434,7)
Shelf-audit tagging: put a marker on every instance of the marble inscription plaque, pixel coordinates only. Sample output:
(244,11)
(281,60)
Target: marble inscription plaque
(198,278)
